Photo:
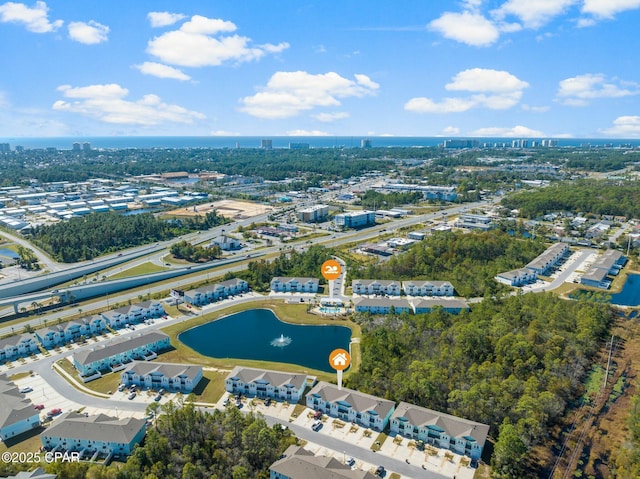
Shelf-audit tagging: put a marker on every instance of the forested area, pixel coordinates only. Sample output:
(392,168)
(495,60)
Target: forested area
(87,237)
(290,263)
(195,253)
(625,461)
(470,261)
(513,363)
(276,164)
(584,196)
(186,443)
(375,200)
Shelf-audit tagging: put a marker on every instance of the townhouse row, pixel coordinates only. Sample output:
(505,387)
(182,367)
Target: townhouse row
(541,265)
(414,306)
(608,263)
(216,292)
(17,414)
(395,288)
(432,427)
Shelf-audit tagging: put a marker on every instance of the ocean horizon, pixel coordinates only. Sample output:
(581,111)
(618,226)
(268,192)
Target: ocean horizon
(278,142)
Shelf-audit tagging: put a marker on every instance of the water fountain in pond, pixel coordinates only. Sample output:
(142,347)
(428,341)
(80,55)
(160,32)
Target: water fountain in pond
(281,342)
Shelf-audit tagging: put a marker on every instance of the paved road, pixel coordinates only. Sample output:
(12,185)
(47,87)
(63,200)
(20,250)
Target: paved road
(361,453)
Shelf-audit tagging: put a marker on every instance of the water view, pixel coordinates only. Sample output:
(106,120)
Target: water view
(258,334)
(630,294)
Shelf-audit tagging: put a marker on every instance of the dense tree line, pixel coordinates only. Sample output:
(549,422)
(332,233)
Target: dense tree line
(190,444)
(625,461)
(586,196)
(469,260)
(195,253)
(513,363)
(374,199)
(290,263)
(87,237)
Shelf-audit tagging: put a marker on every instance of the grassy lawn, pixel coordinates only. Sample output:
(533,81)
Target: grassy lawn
(108,382)
(15,377)
(25,442)
(145,268)
(290,313)
(211,387)
(379,440)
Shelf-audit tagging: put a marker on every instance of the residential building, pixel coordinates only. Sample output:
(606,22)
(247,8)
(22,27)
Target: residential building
(549,259)
(440,430)
(452,306)
(474,222)
(263,383)
(376,286)
(70,331)
(608,263)
(17,346)
(216,292)
(427,288)
(284,284)
(117,352)
(133,314)
(351,406)
(17,414)
(314,214)
(75,432)
(517,277)
(226,243)
(381,305)
(355,219)
(37,473)
(298,463)
(171,377)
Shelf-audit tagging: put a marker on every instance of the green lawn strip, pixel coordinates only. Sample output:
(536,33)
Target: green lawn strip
(15,377)
(290,313)
(67,367)
(211,387)
(28,441)
(145,268)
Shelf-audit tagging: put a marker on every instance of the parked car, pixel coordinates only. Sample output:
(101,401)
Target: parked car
(39,407)
(122,387)
(316,426)
(131,395)
(380,471)
(161,392)
(54,412)
(317,415)
(26,389)
(267,402)
(157,398)
(350,462)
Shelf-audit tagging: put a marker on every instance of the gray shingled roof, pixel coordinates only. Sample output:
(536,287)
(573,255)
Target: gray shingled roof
(359,401)
(396,303)
(445,303)
(276,378)
(15,340)
(299,463)
(118,346)
(169,370)
(15,406)
(37,473)
(95,428)
(452,425)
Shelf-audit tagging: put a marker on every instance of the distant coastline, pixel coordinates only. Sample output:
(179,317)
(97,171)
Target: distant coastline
(144,142)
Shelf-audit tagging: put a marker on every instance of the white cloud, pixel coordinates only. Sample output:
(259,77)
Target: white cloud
(515,132)
(107,103)
(608,8)
(578,90)
(306,133)
(493,89)
(329,117)
(466,27)
(486,80)
(88,33)
(35,19)
(194,45)
(624,127)
(533,13)
(535,109)
(164,19)
(287,94)
(224,133)
(451,131)
(162,71)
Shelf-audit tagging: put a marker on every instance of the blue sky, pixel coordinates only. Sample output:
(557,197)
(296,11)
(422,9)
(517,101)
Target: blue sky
(511,68)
